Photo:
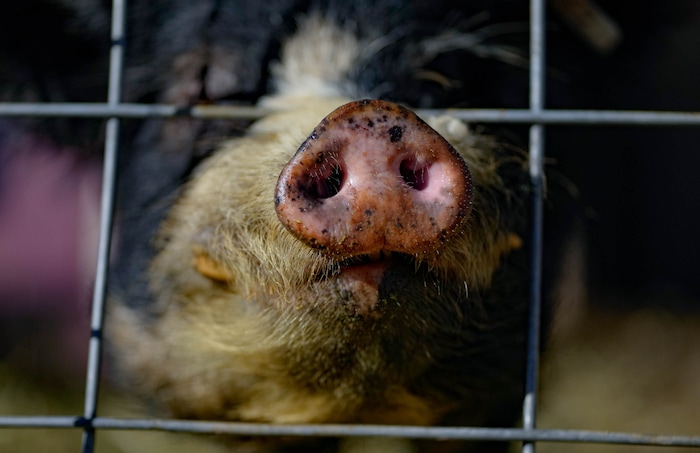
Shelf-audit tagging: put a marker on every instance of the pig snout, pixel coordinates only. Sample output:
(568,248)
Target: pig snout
(374,177)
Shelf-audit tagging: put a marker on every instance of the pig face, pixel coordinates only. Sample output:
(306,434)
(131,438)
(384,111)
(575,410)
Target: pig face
(344,261)
(279,312)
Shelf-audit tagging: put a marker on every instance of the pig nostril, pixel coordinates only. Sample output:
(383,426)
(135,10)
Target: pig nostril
(327,184)
(414,174)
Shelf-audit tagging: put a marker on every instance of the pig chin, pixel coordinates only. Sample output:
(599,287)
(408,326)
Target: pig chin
(358,285)
(363,289)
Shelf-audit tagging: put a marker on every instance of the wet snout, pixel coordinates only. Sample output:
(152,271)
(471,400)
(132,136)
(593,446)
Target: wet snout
(374,177)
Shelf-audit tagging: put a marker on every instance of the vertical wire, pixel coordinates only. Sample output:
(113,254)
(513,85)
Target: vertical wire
(105,234)
(536,159)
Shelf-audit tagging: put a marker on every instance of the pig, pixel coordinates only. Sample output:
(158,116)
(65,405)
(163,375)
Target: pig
(344,260)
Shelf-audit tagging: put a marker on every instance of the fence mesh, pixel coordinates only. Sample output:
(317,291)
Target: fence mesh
(537,116)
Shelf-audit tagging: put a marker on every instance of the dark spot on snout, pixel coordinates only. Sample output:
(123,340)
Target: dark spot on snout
(370,123)
(395,134)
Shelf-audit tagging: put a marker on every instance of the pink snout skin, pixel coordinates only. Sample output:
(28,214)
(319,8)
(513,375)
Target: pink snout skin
(374,177)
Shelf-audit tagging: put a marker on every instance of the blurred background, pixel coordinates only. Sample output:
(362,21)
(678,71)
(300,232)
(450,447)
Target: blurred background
(625,347)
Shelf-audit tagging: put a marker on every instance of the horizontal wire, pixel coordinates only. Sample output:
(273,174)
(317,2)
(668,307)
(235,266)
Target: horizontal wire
(331,430)
(552,116)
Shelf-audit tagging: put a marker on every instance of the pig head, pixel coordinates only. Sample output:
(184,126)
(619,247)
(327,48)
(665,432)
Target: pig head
(344,261)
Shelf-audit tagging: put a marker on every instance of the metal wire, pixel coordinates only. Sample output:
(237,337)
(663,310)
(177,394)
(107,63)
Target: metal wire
(109,171)
(330,430)
(536,115)
(536,165)
(512,116)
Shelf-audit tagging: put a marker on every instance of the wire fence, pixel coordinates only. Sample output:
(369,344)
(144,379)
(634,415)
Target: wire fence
(537,116)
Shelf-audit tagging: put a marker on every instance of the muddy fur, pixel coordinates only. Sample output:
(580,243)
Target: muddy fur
(250,324)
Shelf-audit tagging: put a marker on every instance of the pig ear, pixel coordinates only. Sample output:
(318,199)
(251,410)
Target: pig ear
(204,263)
(505,244)
(208,267)
(510,243)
